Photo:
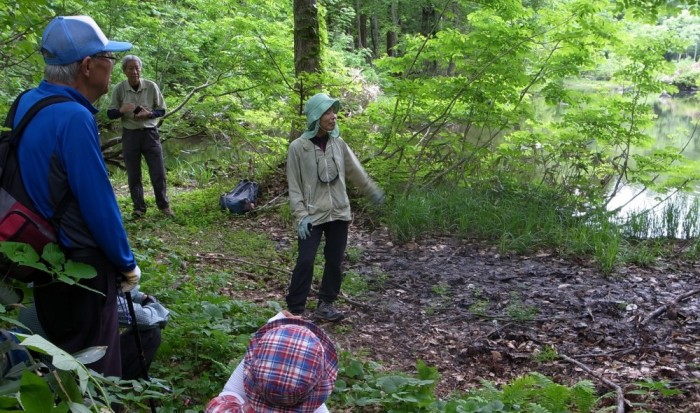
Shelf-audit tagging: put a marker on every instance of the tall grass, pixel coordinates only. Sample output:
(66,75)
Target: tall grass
(523,220)
(519,219)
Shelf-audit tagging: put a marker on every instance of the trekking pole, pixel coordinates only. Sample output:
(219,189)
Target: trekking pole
(139,345)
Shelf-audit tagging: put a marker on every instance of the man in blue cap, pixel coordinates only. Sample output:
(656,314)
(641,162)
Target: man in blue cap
(318,162)
(60,154)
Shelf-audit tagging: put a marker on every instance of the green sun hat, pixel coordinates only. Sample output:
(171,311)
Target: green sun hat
(315,107)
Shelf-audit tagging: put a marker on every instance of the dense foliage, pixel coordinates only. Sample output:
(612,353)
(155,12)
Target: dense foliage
(542,104)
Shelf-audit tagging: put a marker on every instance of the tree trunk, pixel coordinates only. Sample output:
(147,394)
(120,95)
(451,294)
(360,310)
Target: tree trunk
(307,43)
(362,31)
(428,27)
(307,54)
(357,35)
(374,34)
(391,36)
(427,21)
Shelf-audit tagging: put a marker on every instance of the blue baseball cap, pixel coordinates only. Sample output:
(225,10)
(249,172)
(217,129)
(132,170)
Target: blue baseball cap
(69,39)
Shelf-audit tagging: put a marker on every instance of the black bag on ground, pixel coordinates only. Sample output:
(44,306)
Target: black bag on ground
(241,199)
(19,220)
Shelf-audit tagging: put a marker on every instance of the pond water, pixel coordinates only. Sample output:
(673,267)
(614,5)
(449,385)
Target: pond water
(677,125)
(197,149)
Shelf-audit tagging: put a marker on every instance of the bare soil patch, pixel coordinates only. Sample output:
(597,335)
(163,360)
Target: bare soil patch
(476,314)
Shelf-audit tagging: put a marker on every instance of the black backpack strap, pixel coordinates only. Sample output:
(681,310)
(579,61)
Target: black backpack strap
(10,118)
(16,136)
(39,105)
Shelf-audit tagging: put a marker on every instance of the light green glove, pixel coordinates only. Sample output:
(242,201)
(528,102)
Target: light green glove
(304,228)
(377,196)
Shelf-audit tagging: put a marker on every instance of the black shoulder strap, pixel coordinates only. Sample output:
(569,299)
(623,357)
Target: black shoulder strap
(10,118)
(17,132)
(39,105)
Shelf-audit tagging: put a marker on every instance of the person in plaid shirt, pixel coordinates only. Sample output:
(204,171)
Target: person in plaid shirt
(290,366)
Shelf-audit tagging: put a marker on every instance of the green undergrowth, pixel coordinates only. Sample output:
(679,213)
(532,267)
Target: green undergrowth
(518,218)
(364,386)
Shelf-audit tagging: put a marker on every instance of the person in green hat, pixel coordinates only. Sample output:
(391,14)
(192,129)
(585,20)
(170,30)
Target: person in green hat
(318,164)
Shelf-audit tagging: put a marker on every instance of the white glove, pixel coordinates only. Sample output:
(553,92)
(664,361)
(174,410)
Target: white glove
(131,279)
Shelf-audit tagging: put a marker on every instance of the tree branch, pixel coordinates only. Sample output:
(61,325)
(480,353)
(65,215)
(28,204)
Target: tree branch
(665,307)
(222,257)
(618,390)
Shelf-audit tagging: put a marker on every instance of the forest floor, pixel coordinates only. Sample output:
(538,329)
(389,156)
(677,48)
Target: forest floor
(475,314)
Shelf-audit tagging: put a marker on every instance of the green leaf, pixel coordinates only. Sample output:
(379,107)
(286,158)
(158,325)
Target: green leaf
(8,294)
(35,394)
(90,355)
(79,408)
(60,359)
(392,384)
(79,270)
(66,279)
(7,402)
(66,387)
(19,252)
(355,369)
(53,255)
(61,408)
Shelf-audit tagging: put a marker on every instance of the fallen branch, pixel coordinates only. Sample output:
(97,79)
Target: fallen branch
(273,203)
(354,303)
(618,389)
(665,307)
(222,257)
(618,352)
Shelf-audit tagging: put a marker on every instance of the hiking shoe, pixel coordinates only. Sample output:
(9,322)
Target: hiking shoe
(138,213)
(326,311)
(167,212)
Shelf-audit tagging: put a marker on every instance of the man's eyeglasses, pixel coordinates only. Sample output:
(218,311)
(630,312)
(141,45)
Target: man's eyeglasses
(104,56)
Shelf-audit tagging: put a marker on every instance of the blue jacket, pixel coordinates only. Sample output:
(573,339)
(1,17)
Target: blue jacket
(59,152)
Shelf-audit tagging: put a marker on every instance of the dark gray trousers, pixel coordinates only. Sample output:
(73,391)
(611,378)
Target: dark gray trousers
(336,233)
(144,142)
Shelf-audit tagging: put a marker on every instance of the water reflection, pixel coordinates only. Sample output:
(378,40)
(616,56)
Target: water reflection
(190,150)
(676,125)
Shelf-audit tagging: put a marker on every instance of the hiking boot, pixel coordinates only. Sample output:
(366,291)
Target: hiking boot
(167,212)
(326,311)
(138,213)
